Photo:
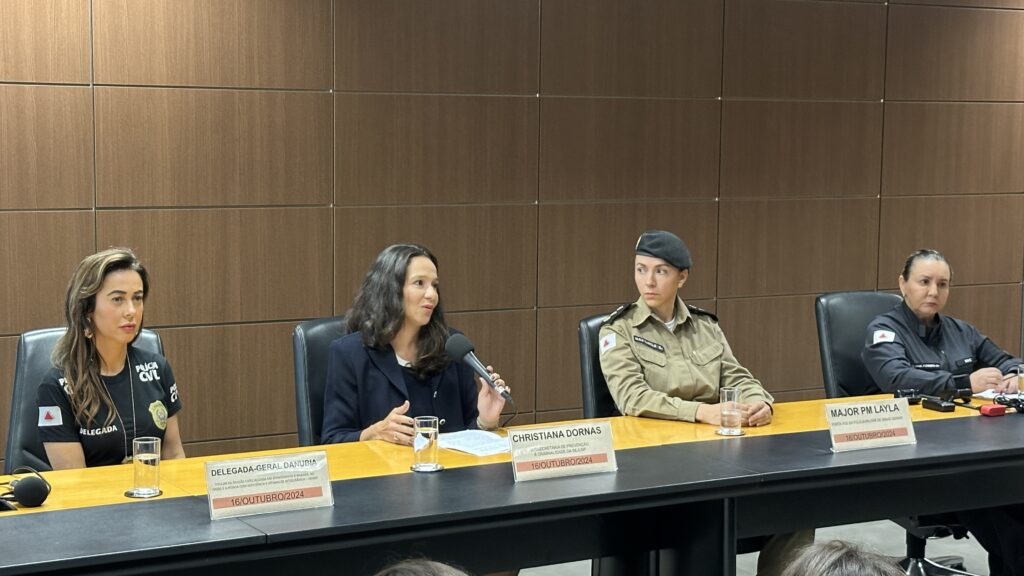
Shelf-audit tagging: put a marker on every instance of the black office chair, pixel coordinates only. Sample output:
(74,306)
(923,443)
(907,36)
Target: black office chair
(32,362)
(310,342)
(843,319)
(598,403)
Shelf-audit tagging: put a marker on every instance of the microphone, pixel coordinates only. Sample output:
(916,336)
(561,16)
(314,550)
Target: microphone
(30,491)
(460,349)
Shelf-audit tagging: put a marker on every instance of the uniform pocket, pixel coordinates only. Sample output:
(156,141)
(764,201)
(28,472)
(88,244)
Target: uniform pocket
(650,356)
(707,354)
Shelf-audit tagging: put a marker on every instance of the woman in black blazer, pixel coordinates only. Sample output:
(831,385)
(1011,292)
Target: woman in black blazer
(393,366)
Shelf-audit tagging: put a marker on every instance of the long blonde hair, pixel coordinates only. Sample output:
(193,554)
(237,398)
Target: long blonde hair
(75,354)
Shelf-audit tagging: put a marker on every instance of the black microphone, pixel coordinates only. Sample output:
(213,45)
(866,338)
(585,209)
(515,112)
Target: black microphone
(30,491)
(460,349)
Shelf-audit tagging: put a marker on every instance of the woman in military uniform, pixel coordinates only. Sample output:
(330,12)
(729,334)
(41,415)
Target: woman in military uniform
(915,346)
(103,392)
(664,359)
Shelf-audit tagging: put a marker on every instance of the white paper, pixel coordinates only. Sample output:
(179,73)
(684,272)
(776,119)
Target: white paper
(475,442)
(990,394)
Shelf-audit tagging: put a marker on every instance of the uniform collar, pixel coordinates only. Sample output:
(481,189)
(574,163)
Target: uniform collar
(915,323)
(645,312)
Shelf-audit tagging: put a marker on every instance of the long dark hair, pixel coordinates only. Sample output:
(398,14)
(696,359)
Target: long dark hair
(75,353)
(378,311)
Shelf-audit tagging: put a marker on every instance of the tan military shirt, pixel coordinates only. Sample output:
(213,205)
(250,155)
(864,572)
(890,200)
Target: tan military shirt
(660,374)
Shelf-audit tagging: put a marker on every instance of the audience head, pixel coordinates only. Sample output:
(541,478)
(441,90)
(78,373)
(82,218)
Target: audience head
(837,558)
(420,568)
(401,288)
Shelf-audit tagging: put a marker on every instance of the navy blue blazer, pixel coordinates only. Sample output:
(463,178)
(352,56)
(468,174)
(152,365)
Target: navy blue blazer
(365,384)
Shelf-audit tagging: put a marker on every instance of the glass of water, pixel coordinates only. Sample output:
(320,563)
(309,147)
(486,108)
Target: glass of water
(424,445)
(145,468)
(728,402)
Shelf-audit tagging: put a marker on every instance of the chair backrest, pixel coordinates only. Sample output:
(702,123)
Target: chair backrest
(311,342)
(32,362)
(843,319)
(597,401)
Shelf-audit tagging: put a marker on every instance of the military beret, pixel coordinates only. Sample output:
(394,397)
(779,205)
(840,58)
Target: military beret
(664,245)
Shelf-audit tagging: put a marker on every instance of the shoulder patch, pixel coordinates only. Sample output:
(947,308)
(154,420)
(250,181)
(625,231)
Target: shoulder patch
(883,336)
(618,312)
(695,310)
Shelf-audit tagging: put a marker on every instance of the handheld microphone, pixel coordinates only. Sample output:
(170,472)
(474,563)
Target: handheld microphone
(30,491)
(460,349)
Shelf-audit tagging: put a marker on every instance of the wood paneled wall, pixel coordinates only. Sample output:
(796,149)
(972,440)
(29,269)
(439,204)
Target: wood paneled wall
(259,153)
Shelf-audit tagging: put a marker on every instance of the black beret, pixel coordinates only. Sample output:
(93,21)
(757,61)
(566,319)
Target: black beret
(664,245)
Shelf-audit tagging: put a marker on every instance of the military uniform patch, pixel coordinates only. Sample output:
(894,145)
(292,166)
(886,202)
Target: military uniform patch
(159,413)
(649,344)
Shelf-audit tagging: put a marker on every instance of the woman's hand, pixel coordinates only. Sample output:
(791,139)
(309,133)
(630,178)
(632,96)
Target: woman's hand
(756,413)
(709,414)
(489,401)
(395,428)
(988,378)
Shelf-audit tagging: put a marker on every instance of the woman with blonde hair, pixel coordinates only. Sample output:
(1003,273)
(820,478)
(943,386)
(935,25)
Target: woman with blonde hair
(103,392)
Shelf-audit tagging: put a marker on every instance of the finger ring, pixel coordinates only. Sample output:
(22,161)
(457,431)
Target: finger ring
(396,436)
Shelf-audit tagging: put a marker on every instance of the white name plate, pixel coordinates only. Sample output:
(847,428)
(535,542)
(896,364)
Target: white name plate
(268,484)
(564,450)
(869,424)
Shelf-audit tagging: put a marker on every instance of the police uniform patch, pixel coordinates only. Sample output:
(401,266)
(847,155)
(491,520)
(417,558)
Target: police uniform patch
(607,343)
(649,344)
(159,413)
(50,416)
(883,336)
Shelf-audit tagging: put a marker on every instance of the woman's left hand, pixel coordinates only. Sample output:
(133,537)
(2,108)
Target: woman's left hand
(757,414)
(489,401)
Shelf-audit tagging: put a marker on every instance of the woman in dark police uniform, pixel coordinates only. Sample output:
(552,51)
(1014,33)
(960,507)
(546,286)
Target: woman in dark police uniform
(393,366)
(914,346)
(103,392)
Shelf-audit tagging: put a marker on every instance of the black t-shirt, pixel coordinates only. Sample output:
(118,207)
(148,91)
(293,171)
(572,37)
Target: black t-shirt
(146,378)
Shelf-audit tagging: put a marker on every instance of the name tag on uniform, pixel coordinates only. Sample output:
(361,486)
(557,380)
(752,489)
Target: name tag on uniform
(870,424)
(648,343)
(268,484)
(563,450)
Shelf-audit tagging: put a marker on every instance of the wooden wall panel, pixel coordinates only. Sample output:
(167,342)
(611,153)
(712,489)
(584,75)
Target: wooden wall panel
(995,310)
(506,340)
(478,46)
(785,49)
(597,149)
(231,43)
(158,147)
(558,416)
(790,149)
(44,41)
(403,149)
(8,352)
(938,53)
(966,3)
(240,445)
(586,250)
(953,148)
(240,265)
(775,247)
(40,252)
(776,338)
(480,266)
(235,381)
(981,236)
(45,147)
(559,384)
(622,48)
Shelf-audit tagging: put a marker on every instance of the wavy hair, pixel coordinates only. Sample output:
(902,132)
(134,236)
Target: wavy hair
(75,354)
(379,311)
